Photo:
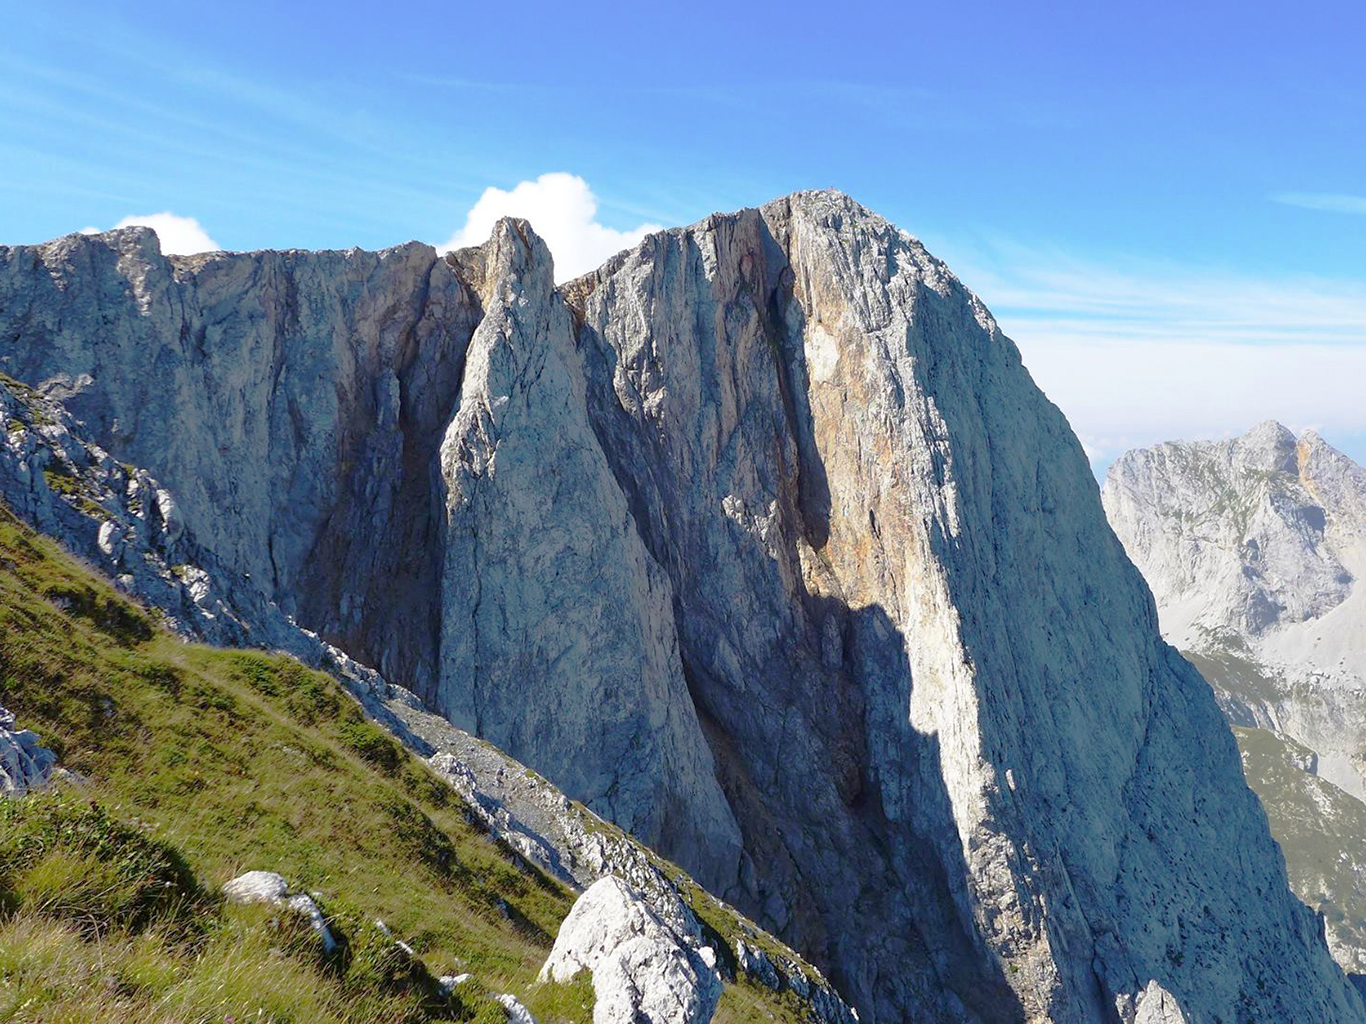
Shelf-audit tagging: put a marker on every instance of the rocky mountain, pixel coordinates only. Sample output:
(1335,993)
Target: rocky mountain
(1255,549)
(759,540)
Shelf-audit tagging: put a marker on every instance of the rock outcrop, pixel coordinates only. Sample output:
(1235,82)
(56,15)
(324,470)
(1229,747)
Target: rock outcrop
(270,888)
(25,764)
(643,971)
(761,541)
(517,1013)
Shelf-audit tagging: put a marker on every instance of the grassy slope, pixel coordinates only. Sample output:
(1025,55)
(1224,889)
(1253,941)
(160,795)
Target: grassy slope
(1322,832)
(240,760)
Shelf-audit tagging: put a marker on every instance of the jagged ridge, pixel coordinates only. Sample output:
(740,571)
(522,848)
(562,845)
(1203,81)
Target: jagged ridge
(765,544)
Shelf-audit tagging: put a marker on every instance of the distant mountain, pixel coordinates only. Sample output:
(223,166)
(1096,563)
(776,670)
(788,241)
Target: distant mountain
(1255,550)
(759,540)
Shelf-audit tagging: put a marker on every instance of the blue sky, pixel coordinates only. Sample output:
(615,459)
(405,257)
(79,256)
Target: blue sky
(1164,203)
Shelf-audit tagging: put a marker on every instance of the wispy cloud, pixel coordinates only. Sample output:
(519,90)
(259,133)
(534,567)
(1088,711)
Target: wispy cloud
(1333,202)
(1136,352)
(303,140)
(459,84)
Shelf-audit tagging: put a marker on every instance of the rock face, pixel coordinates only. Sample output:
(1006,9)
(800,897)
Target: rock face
(643,971)
(761,541)
(308,413)
(25,764)
(1255,549)
(546,576)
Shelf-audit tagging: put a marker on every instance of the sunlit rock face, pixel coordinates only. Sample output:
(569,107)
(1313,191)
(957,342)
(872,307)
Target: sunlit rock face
(761,540)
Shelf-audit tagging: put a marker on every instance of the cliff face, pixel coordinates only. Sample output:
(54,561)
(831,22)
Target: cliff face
(313,417)
(761,540)
(293,401)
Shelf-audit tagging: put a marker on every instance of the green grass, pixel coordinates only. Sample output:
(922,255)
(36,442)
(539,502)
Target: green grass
(1320,828)
(201,763)
(61,480)
(219,762)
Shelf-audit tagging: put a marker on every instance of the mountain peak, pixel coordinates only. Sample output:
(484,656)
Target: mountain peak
(1270,430)
(756,541)
(1270,445)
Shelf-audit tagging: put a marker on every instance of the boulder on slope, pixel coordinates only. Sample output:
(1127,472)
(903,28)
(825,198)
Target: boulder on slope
(268,887)
(24,763)
(643,972)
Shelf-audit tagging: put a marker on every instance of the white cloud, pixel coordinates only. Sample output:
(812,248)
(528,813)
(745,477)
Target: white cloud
(1333,202)
(1136,353)
(563,211)
(179,236)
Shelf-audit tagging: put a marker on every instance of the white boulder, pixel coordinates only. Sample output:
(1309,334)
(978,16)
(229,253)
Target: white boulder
(517,1013)
(642,970)
(268,887)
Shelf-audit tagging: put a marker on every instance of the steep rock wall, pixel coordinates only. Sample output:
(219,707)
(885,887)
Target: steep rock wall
(298,405)
(761,534)
(890,561)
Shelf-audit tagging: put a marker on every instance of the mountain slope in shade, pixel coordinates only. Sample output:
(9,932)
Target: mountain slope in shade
(1322,831)
(1255,549)
(760,540)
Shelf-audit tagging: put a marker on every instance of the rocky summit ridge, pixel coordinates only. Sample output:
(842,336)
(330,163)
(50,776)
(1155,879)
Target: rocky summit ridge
(759,540)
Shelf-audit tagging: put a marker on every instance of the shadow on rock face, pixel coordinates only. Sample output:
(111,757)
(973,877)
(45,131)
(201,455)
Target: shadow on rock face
(805,701)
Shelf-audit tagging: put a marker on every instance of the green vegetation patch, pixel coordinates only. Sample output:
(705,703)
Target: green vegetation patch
(68,859)
(200,764)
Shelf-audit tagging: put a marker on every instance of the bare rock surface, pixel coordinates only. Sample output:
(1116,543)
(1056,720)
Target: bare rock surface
(517,1013)
(1156,1006)
(25,764)
(643,972)
(548,590)
(313,416)
(759,539)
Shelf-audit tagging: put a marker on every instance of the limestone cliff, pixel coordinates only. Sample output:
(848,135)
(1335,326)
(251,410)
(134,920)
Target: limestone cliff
(761,540)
